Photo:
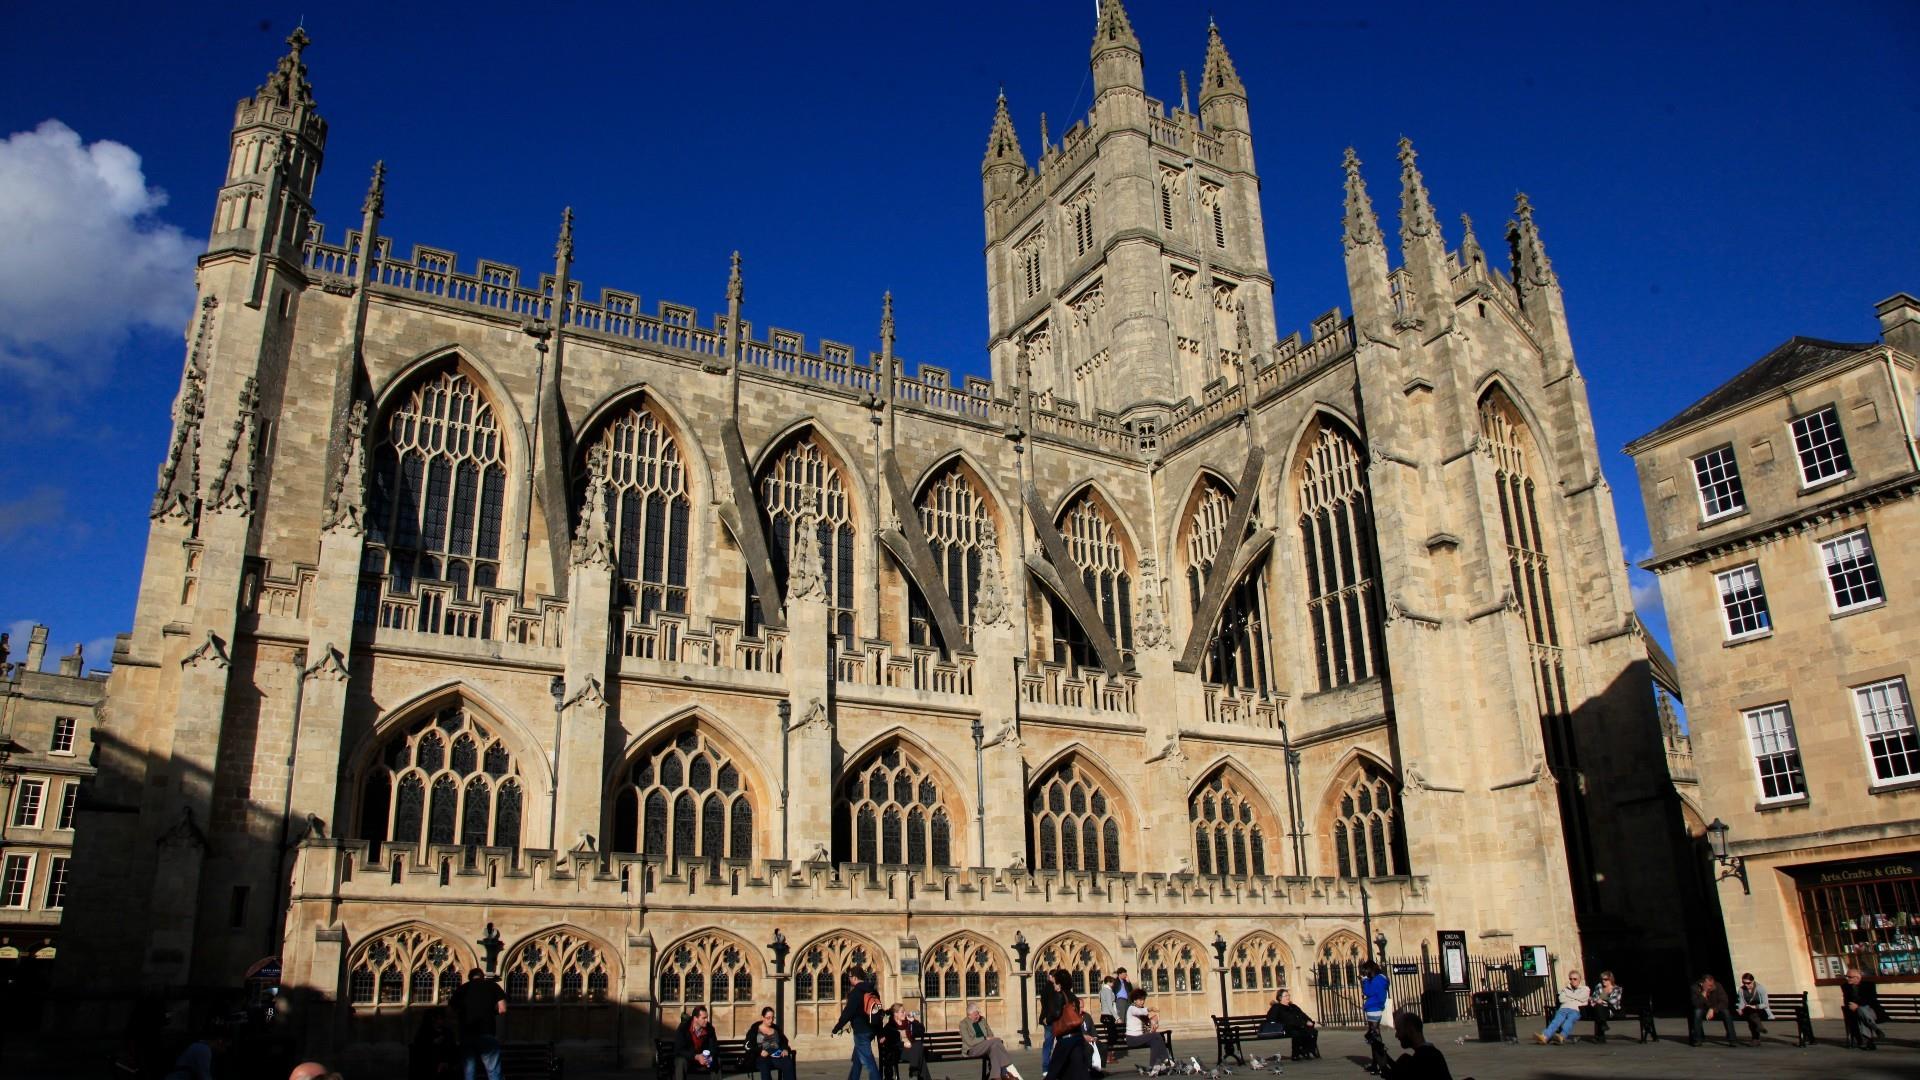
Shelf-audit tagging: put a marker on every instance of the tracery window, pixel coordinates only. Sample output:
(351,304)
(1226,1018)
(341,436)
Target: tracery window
(1094,544)
(438,493)
(404,967)
(1072,823)
(802,483)
(557,967)
(683,797)
(955,971)
(1237,651)
(1210,196)
(1085,961)
(1227,834)
(822,976)
(889,811)
(1511,445)
(714,969)
(1169,188)
(1256,970)
(953,513)
(648,510)
(1172,964)
(444,779)
(1080,220)
(1366,837)
(1340,957)
(1336,534)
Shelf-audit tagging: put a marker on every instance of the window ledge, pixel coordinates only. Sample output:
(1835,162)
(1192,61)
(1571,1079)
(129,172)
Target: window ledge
(1766,805)
(1871,605)
(60,753)
(1825,482)
(1911,783)
(1757,635)
(1723,517)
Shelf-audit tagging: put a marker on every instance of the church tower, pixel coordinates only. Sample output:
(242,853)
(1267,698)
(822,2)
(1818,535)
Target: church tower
(1127,264)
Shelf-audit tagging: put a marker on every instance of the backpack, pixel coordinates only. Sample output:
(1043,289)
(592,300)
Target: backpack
(871,1003)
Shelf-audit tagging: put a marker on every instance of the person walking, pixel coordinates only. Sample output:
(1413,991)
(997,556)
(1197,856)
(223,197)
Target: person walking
(1423,1060)
(1051,983)
(478,1004)
(1143,1029)
(977,1040)
(1860,999)
(1709,1003)
(694,1045)
(1573,998)
(1072,1050)
(768,1046)
(858,1014)
(1373,1005)
(1750,1004)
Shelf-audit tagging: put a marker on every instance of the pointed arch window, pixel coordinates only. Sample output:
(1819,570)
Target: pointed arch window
(683,798)
(799,484)
(1173,964)
(1366,829)
(713,969)
(1094,544)
(1340,957)
(406,967)
(1237,653)
(1228,834)
(958,970)
(444,779)
(1336,536)
(557,967)
(1256,970)
(438,493)
(890,811)
(1511,446)
(1084,960)
(822,975)
(1072,823)
(953,513)
(648,511)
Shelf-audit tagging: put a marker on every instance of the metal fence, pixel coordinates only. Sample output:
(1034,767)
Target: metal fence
(1417,984)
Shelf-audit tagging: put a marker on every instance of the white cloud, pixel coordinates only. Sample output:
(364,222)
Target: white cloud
(1646,595)
(41,508)
(97,653)
(83,260)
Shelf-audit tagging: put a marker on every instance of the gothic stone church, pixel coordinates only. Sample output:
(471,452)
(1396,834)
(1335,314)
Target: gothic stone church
(643,636)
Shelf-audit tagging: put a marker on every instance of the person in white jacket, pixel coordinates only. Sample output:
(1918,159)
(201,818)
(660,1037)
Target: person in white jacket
(1573,997)
(1750,1004)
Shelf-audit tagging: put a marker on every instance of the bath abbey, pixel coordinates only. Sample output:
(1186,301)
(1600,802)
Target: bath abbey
(652,658)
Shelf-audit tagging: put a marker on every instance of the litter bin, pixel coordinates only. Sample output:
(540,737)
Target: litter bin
(1493,1014)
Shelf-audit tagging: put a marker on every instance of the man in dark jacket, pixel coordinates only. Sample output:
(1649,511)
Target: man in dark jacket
(477,1005)
(693,1044)
(1050,1001)
(1423,1060)
(1284,1018)
(854,1014)
(1709,1003)
(1861,1000)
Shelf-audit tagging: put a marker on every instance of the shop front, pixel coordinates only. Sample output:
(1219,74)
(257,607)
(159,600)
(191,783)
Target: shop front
(1863,913)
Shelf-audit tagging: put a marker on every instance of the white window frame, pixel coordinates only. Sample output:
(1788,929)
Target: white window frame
(1839,437)
(69,805)
(20,803)
(57,867)
(67,727)
(1872,563)
(26,881)
(1732,465)
(1759,589)
(1755,749)
(1885,719)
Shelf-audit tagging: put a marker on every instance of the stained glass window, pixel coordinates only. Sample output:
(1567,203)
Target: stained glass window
(648,507)
(1227,830)
(889,810)
(1094,544)
(708,820)
(953,513)
(1364,834)
(1237,651)
(557,966)
(394,803)
(1336,534)
(407,966)
(1065,839)
(804,482)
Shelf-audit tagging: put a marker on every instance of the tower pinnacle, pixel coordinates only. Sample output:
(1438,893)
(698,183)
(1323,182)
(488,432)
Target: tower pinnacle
(1416,207)
(1362,227)
(287,85)
(375,205)
(1218,78)
(1529,254)
(1470,252)
(1113,30)
(1003,144)
(563,248)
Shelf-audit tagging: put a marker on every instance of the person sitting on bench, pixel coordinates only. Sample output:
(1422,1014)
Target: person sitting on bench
(1286,1018)
(1709,1003)
(1861,1000)
(693,1044)
(766,1045)
(1604,1004)
(1750,1004)
(977,1040)
(1143,1028)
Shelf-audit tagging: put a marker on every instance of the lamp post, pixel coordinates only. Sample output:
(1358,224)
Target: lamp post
(1366,913)
(1731,866)
(1220,964)
(779,947)
(1020,951)
(1380,940)
(785,709)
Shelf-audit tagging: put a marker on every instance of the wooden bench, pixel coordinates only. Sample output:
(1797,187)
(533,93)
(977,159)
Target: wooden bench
(1230,1032)
(945,1046)
(529,1060)
(1894,1009)
(1794,1007)
(729,1056)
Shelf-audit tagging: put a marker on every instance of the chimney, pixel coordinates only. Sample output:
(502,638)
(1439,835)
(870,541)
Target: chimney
(36,647)
(1900,322)
(73,666)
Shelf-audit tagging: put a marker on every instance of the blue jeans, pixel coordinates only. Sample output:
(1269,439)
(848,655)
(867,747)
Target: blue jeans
(1046,1046)
(862,1055)
(1562,1022)
(483,1057)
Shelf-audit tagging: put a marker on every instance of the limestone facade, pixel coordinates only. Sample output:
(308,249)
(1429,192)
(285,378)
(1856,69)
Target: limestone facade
(1780,507)
(472,599)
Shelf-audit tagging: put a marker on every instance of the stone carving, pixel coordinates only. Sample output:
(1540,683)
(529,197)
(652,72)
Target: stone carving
(590,694)
(592,546)
(1007,736)
(178,491)
(990,607)
(1360,226)
(233,490)
(819,854)
(347,496)
(813,717)
(806,578)
(331,665)
(1018,863)
(211,651)
(1150,629)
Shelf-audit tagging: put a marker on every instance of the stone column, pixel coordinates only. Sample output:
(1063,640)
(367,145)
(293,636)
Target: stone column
(580,756)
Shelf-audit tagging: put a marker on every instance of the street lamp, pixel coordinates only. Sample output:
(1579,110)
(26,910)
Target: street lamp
(1020,951)
(779,948)
(1220,965)
(1731,866)
(1380,940)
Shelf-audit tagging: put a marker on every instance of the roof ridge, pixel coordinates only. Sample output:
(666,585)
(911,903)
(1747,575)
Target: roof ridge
(1731,391)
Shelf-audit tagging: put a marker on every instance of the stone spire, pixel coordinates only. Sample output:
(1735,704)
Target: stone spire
(1003,144)
(375,204)
(1416,207)
(592,544)
(287,86)
(347,496)
(736,295)
(1530,265)
(1114,30)
(1218,77)
(563,247)
(1470,252)
(1362,227)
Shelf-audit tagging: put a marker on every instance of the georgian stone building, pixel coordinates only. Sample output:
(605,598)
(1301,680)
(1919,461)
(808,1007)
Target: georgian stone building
(474,598)
(1781,506)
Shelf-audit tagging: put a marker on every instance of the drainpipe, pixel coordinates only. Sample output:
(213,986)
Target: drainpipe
(786,713)
(276,926)
(980,784)
(1293,799)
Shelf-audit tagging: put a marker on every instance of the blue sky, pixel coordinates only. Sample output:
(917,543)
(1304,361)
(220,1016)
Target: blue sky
(1710,179)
